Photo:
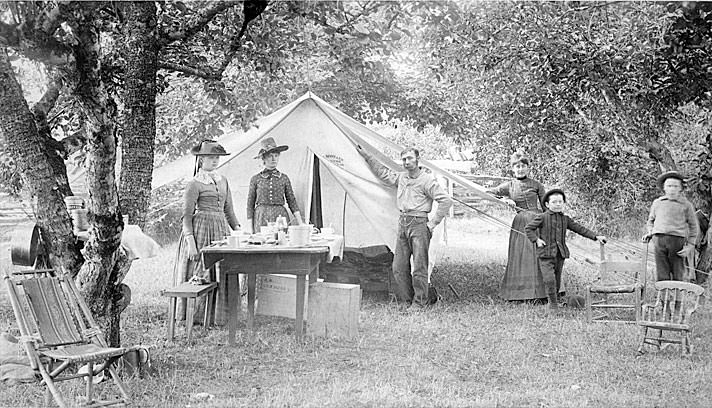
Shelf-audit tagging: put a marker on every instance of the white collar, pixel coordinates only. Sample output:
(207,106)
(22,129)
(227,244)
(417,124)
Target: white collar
(207,177)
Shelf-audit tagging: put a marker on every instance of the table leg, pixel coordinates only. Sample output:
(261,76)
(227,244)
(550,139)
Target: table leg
(208,315)
(251,289)
(314,274)
(232,284)
(299,324)
(222,311)
(171,317)
(189,317)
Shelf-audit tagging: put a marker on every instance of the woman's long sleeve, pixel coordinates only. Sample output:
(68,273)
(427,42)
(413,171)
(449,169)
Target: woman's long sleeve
(190,199)
(540,192)
(251,198)
(290,197)
(228,209)
(502,189)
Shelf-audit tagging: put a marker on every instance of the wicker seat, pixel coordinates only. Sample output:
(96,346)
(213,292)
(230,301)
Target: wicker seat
(617,278)
(675,304)
(59,334)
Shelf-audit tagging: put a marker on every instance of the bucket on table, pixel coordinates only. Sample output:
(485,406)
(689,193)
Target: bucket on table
(299,235)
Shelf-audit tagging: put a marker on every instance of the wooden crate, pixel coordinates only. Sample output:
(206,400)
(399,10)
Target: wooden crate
(277,296)
(333,310)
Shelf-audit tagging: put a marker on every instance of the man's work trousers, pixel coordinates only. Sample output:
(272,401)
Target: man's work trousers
(668,264)
(551,269)
(413,240)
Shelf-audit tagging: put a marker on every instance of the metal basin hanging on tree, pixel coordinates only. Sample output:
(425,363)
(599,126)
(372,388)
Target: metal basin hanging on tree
(24,243)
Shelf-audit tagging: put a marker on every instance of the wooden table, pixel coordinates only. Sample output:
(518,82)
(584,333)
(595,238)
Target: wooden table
(260,259)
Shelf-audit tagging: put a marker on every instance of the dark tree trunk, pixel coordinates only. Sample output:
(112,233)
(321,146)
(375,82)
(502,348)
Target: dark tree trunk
(34,157)
(98,277)
(139,115)
(661,154)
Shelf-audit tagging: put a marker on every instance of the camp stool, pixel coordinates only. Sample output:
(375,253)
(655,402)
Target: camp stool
(187,290)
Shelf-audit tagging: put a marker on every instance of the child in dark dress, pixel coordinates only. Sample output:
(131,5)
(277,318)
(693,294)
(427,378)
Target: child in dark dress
(551,226)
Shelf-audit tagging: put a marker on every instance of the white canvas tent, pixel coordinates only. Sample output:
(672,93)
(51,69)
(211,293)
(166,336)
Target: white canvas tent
(322,157)
(322,140)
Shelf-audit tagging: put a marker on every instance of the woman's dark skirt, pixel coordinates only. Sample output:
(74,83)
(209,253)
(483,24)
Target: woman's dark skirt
(522,278)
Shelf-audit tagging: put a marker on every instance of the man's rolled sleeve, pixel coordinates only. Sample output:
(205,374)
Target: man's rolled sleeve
(444,201)
(384,173)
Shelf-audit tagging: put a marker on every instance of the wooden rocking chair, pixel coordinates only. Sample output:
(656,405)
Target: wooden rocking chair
(617,277)
(675,303)
(59,334)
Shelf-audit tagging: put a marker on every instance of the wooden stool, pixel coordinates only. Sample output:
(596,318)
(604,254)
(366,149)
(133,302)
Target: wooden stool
(192,293)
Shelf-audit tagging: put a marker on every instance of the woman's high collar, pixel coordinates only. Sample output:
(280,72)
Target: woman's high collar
(270,172)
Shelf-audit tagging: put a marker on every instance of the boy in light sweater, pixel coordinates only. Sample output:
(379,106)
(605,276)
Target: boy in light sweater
(672,225)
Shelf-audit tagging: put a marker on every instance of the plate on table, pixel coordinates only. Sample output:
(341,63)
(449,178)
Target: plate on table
(323,237)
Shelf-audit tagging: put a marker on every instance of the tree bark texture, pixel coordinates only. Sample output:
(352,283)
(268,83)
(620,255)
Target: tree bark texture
(33,157)
(139,115)
(97,278)
(661,154)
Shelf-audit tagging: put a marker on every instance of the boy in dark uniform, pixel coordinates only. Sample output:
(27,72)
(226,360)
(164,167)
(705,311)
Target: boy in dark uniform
(551,240)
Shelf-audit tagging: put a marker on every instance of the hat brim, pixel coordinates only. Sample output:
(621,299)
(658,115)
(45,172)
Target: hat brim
(195,151)
(276,149)
(665,176)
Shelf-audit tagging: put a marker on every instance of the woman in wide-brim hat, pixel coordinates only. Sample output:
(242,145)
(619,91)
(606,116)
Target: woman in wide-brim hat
(208,213)
(270,189)
(522,278)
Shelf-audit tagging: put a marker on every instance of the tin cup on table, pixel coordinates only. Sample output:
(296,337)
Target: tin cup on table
(233,241)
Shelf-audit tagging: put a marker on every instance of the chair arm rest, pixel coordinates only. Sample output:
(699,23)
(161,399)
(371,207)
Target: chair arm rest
(647,309)
(689,312)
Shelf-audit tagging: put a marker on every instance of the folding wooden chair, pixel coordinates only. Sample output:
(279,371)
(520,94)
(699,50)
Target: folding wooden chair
(674,306)
(59,334)
(617,277)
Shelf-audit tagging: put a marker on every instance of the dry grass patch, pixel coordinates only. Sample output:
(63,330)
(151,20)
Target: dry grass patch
(475,351)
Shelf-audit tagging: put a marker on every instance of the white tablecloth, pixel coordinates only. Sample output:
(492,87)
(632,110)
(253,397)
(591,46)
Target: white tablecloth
(334,242)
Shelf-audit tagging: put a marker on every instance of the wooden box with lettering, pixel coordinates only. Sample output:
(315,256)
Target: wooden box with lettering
(277,296)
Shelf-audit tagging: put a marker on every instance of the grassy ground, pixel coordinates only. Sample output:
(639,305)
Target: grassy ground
(476,351)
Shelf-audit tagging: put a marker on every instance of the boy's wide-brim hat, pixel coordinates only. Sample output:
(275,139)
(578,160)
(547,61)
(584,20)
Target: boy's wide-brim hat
(270,146)
(553,191)
(669,174)
(209,149)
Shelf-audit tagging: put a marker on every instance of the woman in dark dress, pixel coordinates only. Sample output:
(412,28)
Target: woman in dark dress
(522,278)
(270,189)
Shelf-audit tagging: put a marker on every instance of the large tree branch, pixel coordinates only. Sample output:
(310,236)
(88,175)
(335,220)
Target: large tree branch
(201,20)
(35,38)
(251,9)
(201,73)
(48,100)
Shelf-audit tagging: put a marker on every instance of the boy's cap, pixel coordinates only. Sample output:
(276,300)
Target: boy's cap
(667,175)
(518,156)
(553,191)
